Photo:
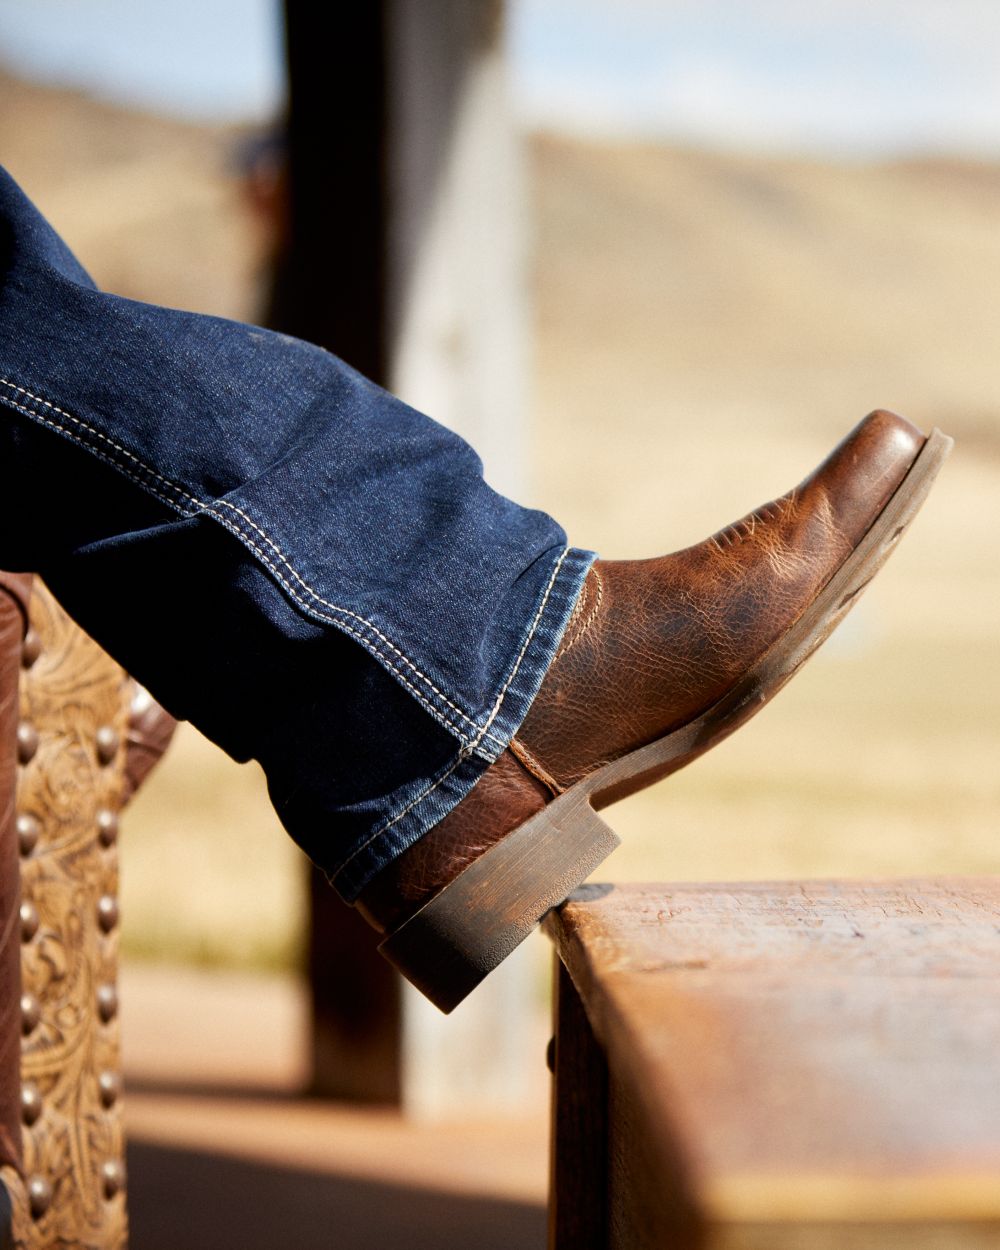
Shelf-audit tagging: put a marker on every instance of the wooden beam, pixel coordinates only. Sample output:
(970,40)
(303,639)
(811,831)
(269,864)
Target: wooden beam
(796,1064)
(330,286)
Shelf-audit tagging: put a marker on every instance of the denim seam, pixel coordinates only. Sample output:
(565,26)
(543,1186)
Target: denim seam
(338,624)
(97,434)
(469,750)
(505,688)
(346,611)
(96,451)
(210,509)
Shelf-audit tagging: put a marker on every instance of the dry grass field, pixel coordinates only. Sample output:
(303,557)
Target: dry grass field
(707,326)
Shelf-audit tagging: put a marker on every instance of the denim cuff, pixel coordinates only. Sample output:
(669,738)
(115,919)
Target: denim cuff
(426,802)
(316,575)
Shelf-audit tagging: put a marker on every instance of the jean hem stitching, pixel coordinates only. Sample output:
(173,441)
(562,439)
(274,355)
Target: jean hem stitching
(211,509)
(471,748)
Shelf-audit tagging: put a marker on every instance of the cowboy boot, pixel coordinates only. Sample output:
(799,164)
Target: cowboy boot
(660,660)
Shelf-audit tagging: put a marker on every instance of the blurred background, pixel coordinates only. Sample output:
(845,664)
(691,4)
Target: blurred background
(723,232)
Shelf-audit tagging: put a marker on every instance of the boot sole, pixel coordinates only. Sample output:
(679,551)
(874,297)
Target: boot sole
(461,934)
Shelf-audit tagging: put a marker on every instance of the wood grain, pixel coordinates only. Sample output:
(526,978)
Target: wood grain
(578,1198)
(799,1056)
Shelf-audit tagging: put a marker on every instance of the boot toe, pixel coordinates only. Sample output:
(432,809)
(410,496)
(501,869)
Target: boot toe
(863,472)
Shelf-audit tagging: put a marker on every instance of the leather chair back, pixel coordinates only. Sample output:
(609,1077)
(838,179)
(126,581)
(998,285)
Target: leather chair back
(77,737)
(13,624)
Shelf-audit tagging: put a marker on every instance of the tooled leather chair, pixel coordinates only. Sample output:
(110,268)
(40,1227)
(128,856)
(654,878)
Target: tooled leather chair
(76,739)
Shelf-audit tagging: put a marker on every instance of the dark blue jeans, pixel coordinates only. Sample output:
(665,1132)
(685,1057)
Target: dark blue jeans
(315,575)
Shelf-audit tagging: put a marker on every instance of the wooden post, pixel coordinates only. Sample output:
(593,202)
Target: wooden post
(578,1162)
(404,256)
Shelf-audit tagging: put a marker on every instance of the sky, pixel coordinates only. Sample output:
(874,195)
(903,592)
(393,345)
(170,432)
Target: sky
(835,76)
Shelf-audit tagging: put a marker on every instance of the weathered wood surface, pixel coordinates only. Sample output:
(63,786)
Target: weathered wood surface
(796,1064)
(578,1213)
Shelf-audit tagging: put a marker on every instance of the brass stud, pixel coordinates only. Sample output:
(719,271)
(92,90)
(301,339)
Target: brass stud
(107,827)
(107,1002)
(107,912)
(31,648)
(29,921)
(39,1196)
(112,1177)
(109,1085)
(31,1013)
(28,831)
(31,1103)
(106,739)
(27,742)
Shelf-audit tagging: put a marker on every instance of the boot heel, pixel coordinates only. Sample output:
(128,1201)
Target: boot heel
(473,924)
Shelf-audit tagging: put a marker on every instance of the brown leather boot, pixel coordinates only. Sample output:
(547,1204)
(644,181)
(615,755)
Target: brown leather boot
(661,660)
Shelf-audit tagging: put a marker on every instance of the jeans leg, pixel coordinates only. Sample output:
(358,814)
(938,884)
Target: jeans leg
(313,573)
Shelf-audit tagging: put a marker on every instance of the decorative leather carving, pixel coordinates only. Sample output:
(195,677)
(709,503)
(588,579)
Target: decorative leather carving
(74,707)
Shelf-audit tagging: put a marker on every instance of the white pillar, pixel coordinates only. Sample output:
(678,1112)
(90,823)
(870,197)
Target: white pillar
(458,350)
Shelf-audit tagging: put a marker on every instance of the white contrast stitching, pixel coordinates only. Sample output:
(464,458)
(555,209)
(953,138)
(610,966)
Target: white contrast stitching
(101,455)
(341,625)
(462,756)
(465,752)
(346,611)
(211,510)
(104,439)
(468,748)
(527,642)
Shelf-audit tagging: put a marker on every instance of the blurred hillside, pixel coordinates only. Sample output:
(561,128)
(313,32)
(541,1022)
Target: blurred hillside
(707,326)
(152,207)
